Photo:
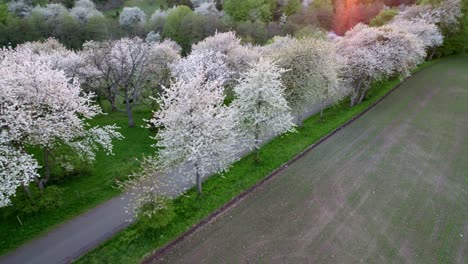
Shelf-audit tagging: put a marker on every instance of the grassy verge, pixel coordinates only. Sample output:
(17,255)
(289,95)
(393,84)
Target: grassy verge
(86,190)
(133,243)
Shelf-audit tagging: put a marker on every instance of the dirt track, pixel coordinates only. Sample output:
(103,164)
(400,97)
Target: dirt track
(391,187)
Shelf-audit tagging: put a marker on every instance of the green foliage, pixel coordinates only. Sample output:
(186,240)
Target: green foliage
(383,17)
(50,198)
(3,13)
(327,4)
(252,32)
(172,3)
(242,10)
(456,42)
(159,218)
(130,245)
(16,31)
(174,27)
(70,32)
(309,31)
(97,28)
(292,7)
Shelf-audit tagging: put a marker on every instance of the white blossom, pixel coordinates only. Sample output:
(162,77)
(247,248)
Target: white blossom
(161,57)
(132,17)
(55,55)
(313,71)
(19,8)
(153,37)
(42,107)
(374,53)
(236,56)
(212,63)
(85,9)
(428,33)
(17,168)
(260,105)
(51,12)
(197,128)
(208,8)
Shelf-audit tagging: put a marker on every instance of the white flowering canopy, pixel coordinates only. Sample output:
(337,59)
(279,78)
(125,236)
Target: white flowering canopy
(42,107)
(17,168)
(196,126)
(428,33)
(55,55)
(84,10)
(51,12)
(446,14)
(261,108)
(152,37)
(212,63)
(374,53)
(208,9)
(161,56)
(132,17)
(313,70)
(236,56)
(19,8)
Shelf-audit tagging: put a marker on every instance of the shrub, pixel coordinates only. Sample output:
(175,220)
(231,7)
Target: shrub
(242,10)
(49,199)
(383,17)
(174,27)
(456,42)
(158,213)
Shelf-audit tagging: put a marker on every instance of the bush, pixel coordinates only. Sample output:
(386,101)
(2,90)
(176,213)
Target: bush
(50,198)
(174,27)
(242,10)
(456,42)
(292,7)
(160,217)
(383,17)
(3,13)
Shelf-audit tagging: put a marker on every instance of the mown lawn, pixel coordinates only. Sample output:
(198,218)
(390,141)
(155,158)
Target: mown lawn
(89,188)
(133,243)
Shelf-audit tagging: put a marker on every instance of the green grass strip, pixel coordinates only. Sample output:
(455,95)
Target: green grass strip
(137,241)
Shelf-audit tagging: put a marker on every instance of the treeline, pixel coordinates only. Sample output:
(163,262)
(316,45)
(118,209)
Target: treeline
(49,91)
(188,22)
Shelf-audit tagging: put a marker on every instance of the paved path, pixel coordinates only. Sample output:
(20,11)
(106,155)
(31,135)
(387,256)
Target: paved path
(72,239)
(389,188)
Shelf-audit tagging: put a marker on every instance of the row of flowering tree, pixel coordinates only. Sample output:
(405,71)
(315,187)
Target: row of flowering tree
(223,97)
(271,85)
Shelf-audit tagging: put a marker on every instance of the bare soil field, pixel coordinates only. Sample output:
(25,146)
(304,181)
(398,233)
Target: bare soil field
(392,187)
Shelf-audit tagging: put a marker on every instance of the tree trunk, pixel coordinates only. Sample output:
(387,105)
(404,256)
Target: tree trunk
(298,116)
(432,54)
(43,181)
(112,98)
(362,97)
(257,145)
(321,110)
(131,123)
(28,192)
(199,181)
(355,96)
